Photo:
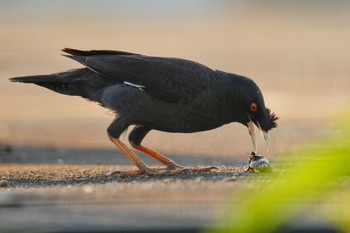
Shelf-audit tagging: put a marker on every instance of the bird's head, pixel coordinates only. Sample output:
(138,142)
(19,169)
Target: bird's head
(256,113)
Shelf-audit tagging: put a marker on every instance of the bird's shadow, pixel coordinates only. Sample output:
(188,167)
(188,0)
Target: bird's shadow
(91,156)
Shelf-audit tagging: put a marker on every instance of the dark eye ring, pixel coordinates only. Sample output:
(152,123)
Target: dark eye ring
(253,107)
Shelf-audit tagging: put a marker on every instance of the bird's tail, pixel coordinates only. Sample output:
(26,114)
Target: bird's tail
(79,82)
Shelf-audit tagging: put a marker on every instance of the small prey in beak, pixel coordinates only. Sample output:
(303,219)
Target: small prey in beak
(258,163)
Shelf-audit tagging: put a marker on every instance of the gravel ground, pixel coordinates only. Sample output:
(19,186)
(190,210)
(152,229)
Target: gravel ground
(28,175)
(55,190)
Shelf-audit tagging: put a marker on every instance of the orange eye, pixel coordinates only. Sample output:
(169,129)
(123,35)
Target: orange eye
(253,107)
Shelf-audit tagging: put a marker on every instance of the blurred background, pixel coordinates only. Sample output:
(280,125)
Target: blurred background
(298,52)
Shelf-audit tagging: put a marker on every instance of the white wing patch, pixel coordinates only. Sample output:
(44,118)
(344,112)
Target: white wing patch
(135,85)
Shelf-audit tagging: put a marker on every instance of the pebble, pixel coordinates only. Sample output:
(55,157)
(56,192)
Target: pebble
(232,178)
(4,183)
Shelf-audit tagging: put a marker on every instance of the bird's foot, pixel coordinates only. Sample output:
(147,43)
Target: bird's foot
(179,170)
(168,171)
(171,165)
(123,174)
(190,170)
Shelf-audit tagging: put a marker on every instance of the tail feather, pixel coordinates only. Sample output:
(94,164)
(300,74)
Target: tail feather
(36,79)
(79,82)
(51,81)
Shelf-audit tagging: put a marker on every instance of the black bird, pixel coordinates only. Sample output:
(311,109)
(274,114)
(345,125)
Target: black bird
(165,94)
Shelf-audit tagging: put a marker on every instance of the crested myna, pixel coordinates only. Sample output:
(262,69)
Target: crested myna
(165,94)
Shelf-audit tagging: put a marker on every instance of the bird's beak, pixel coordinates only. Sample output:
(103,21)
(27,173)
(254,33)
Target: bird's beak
(264,134)
(250,126)
(266,138)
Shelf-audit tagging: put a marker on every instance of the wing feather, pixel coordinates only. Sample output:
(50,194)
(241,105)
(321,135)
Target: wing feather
(169,79)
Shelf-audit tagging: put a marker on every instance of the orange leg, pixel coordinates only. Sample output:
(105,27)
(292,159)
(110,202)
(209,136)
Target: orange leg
(171,165)
(143,168)
(171,169)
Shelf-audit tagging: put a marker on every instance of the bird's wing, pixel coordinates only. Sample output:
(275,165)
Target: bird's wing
(169,79)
